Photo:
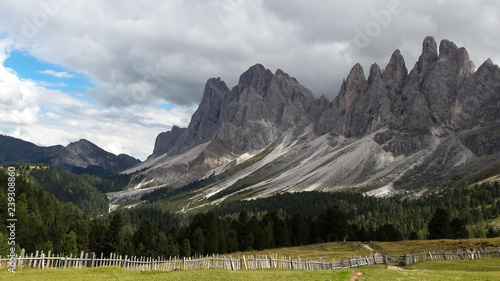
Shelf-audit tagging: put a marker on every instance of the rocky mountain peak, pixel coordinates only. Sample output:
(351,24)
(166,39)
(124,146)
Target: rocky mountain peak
(256,77)
(393,128)
(488,67)
(352,87)
(447,48)
(83,145)
(395,69)
(165,141)
(488,61)
(429,55)
(375,73)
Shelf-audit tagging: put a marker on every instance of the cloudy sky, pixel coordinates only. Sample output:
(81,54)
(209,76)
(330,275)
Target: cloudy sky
(119,72)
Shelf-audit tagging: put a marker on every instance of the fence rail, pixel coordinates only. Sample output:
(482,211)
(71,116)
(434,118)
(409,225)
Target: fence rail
(472,254)
(41,260)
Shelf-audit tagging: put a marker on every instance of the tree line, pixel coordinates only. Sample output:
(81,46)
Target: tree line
(278,221)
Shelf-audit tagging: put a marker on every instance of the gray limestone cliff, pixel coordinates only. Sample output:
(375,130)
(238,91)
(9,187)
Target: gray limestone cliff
(398,127)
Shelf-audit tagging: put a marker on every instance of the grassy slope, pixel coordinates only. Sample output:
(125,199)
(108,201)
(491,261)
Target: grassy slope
(419,246)
(340,250)
(486,269)
(113,273)
(335,251)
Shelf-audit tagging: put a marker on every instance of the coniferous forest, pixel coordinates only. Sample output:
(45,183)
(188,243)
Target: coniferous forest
(66,213)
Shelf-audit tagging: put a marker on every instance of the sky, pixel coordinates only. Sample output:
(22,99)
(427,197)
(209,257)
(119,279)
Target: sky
(118,73)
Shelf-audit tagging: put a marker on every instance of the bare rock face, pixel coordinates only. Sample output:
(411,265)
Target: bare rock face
(166,141)
(84,153)
(436,122)
(395,72)
(442,89)
(250,116)
(427,58)
(478,101)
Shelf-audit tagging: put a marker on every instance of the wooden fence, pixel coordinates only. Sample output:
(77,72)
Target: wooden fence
(41,260)
(472,254)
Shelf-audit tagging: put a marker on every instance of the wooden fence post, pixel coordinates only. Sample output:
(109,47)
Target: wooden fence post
(49,255)
(81,260)
(21,259)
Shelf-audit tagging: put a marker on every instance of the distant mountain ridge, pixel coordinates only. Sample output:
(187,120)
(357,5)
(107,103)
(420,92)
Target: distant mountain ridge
(393,132)
(80,157)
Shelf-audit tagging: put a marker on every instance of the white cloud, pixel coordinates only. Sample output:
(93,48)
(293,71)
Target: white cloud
(143,52)
(62,74)
(49,117)
(18,98)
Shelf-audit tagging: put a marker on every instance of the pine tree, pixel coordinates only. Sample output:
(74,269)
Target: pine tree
(185,250)
(69,245)
(146,235)
(232,241)
(198,242)
(439,226)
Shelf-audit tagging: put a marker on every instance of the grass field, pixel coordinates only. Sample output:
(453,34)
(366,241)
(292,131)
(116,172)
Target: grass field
(481,270)
(113,273)
(326,251)
(341,250)
(419,246)
(484,269)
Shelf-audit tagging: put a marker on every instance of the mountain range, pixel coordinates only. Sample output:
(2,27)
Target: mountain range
(395,132)
(79,157)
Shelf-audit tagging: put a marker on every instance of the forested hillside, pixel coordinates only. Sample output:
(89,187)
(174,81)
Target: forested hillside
(86,191)
(278,221)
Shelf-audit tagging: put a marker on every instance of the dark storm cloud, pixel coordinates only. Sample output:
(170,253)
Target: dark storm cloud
(143,52)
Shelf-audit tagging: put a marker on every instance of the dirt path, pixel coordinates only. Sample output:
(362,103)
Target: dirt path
(367,247)
(392,267)
(355,276)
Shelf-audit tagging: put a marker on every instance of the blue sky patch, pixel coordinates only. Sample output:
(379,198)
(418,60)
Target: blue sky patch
(166,106)
(48,75)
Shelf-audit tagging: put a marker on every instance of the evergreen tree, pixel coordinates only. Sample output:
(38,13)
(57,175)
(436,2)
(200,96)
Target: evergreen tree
(69,245)
(281,233)
(97,236)
(333,225)
(145,236)
(162,247)
(458,229)
(439,226)
(198,242)
(185,250)
(114,237)
(300,230)
(232,241)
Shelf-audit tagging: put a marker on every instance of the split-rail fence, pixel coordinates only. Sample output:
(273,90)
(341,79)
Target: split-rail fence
(40,260)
